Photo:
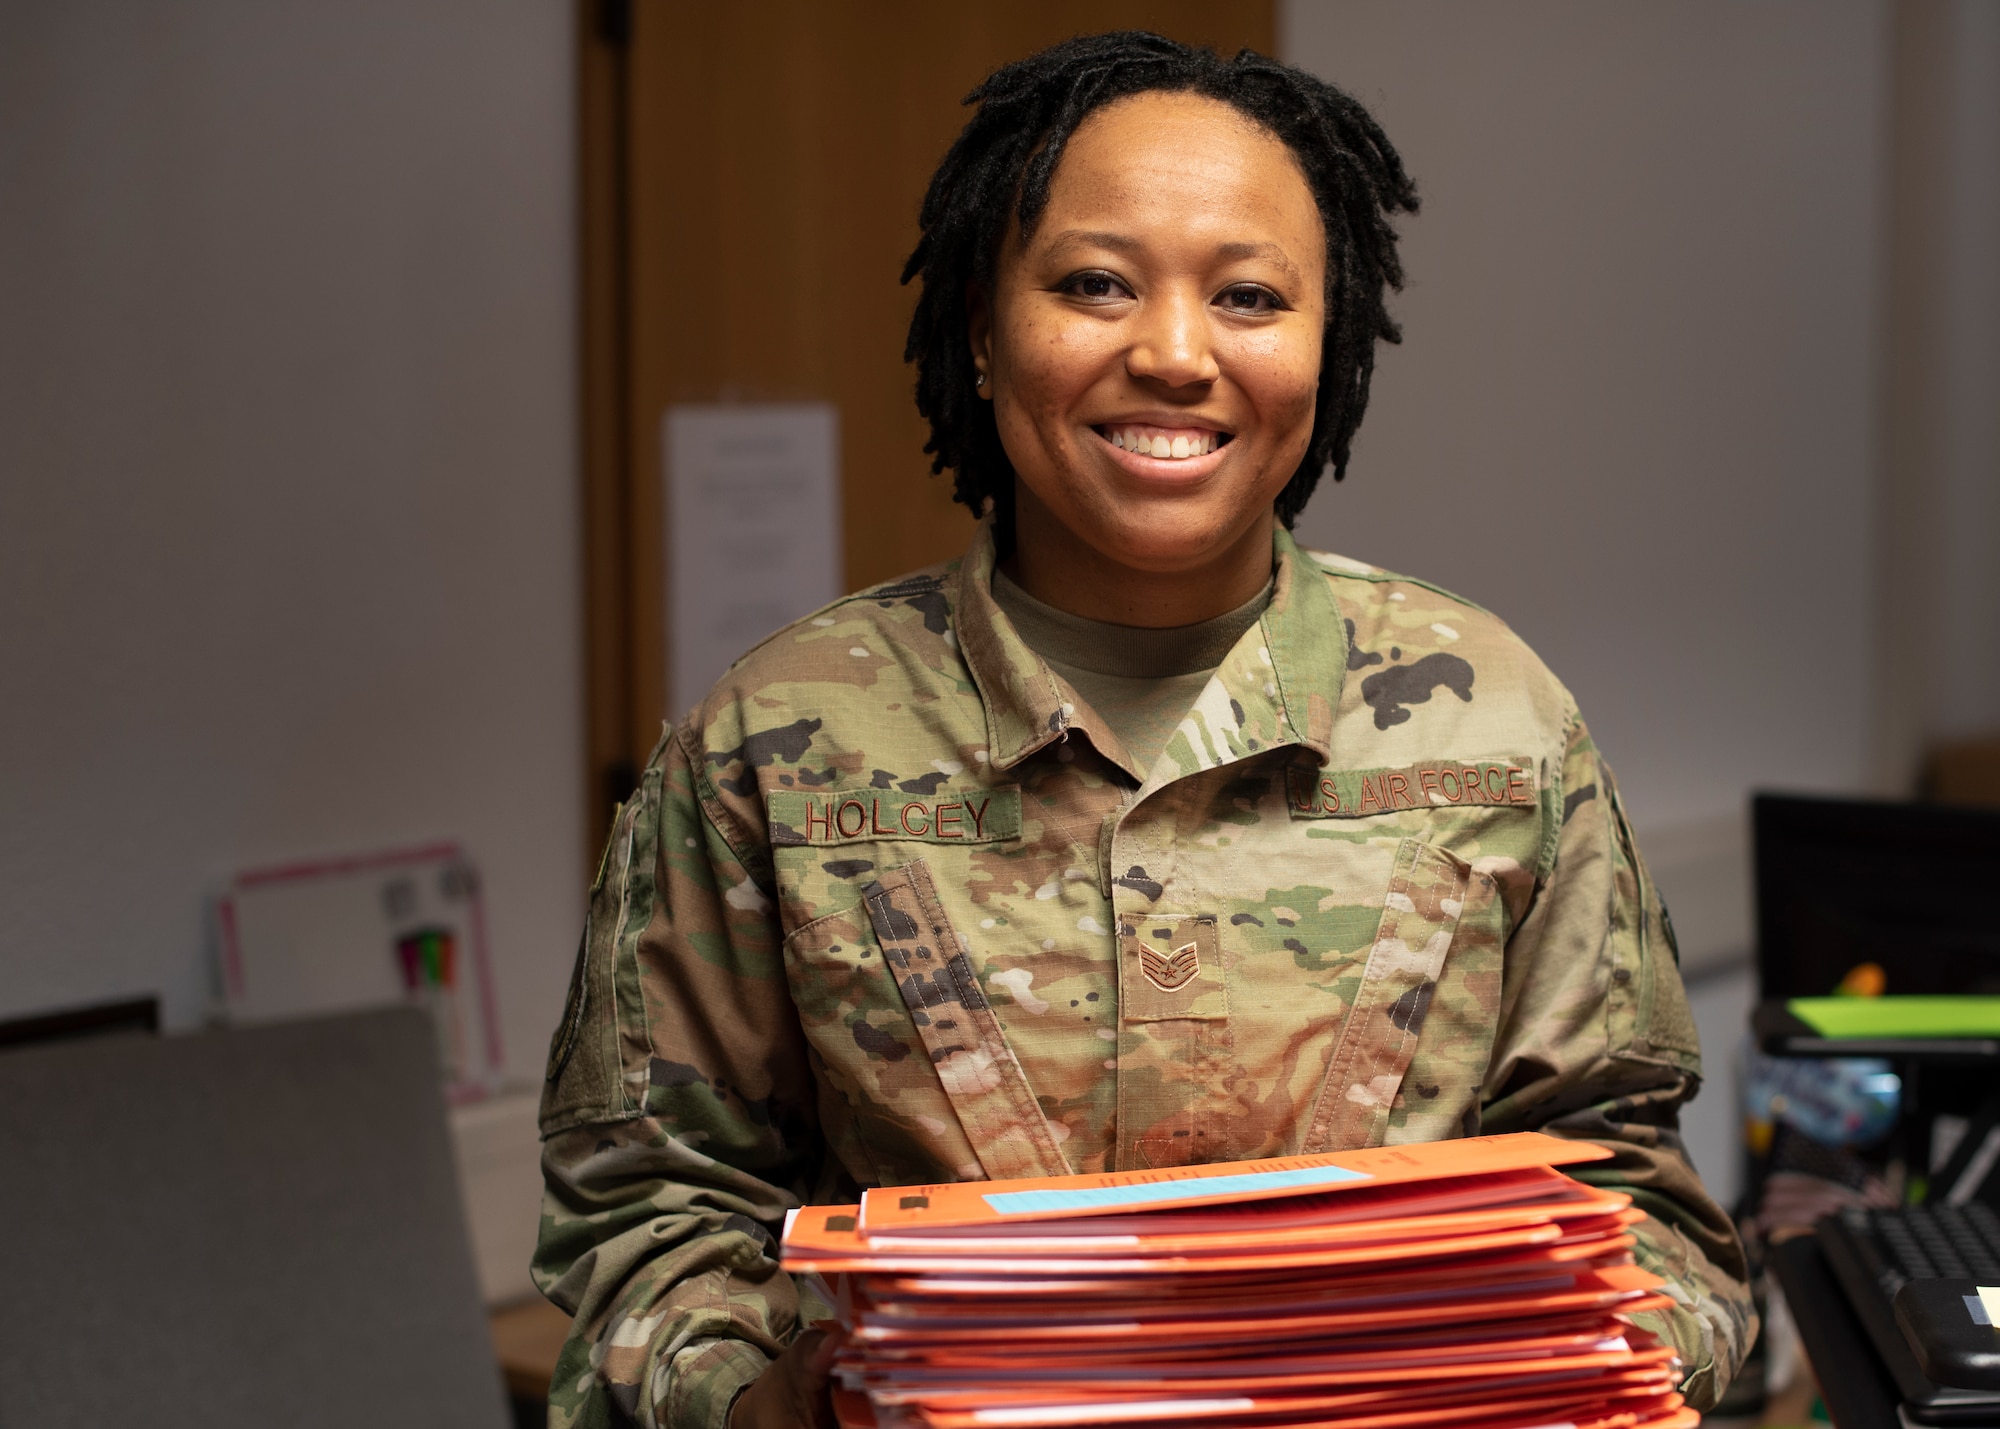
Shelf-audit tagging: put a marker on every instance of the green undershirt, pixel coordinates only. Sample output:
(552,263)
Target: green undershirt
(1139,679)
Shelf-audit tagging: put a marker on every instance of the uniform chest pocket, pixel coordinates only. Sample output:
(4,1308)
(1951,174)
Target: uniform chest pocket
(887,998)
(1408,1061)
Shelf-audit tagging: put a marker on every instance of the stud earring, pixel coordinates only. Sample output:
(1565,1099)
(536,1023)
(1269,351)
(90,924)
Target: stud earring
(979,379)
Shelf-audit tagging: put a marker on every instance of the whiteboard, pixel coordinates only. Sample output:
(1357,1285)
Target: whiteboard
(753,530)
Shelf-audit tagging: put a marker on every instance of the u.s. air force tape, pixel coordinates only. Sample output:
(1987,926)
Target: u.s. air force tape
(872,815)
(1443,783)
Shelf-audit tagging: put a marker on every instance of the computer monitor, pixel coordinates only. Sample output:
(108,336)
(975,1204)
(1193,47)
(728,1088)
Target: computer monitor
(238,1228)
(1907,887)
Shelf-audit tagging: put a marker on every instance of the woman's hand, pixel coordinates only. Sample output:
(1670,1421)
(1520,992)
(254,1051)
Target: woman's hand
(792,1393)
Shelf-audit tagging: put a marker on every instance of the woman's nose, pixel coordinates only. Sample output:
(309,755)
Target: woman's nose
(1171,343)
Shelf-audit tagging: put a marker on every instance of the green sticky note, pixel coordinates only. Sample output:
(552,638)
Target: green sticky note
(1961,1016)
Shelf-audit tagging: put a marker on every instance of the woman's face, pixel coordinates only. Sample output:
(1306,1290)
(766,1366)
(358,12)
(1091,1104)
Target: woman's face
(1153,350)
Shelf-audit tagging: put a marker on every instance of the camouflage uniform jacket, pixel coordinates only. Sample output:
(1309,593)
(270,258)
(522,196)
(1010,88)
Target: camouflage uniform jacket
(893,905)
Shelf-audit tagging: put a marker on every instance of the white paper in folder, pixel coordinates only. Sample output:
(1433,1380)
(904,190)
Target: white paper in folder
(753,530)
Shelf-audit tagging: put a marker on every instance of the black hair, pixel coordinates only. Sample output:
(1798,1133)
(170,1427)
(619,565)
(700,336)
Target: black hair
(1004,159)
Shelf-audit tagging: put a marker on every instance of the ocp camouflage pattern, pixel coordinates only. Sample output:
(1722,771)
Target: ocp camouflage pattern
(893,905)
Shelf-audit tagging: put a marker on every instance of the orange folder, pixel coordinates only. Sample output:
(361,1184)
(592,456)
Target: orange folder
(1537,1264)
(1637,1406)
(1468,1284)
(824,1252)
(1643,1397)
(1355,1202)
(1256,1360)
(1627,1289)
(1571,1383)
(1273,1330)
(1659,1412)
(971,1203)
(1080,1289)
(1138,1380)
(1081,1237)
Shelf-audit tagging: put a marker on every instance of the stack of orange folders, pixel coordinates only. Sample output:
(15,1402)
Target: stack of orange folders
(1462,1283)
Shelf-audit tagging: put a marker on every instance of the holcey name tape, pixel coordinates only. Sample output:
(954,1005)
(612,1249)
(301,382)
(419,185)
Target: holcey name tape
(872,815)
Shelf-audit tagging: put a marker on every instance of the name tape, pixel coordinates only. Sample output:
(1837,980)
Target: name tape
(1361,793)
(978,816)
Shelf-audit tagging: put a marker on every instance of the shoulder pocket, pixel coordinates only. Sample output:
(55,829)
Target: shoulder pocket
(583,1081)
(1662,1024)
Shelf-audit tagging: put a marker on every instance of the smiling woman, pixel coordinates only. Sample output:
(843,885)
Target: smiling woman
(1152,353)
(1138,837)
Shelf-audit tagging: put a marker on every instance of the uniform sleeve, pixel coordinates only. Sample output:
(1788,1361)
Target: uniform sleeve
(677,1122)
(1596,1041)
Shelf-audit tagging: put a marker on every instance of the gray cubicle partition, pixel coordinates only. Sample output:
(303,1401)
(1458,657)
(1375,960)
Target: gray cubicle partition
(257,1227)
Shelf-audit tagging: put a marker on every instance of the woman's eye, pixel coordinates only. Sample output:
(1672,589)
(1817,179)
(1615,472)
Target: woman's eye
(1246,298)
(1096,287)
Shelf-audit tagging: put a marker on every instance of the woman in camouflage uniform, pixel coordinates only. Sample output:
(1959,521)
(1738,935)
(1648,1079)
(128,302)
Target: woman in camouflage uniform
(1139,836)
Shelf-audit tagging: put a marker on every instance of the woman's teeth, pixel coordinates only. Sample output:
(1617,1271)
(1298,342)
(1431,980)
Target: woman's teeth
(1152,442)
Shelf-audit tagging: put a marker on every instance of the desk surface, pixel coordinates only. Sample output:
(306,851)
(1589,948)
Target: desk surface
(527,1339)
(1857,1389)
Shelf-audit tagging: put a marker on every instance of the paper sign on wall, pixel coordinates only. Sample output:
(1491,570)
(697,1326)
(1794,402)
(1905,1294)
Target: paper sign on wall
(753,530)
(372,930)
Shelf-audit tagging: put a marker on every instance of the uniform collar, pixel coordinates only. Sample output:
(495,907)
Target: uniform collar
(1307,637)
(1025,708)
(1283,677)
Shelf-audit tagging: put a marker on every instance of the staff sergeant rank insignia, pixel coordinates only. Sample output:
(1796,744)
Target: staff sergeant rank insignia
(979,816)
(1361,793)
(1170,972)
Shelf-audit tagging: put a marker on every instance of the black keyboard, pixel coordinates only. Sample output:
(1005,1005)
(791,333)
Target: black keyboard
(1937,1242)
(1875,1253)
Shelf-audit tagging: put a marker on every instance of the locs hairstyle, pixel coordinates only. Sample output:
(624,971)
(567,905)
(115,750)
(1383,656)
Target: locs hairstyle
(1001,165)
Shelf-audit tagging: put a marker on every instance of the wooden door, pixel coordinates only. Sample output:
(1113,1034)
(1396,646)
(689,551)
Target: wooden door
(751,176)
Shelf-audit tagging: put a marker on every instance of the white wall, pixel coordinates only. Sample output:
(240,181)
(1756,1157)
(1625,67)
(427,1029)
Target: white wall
(1712,1124)
(1635,409)
(1699,392)
(288,549)
(1939,629)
